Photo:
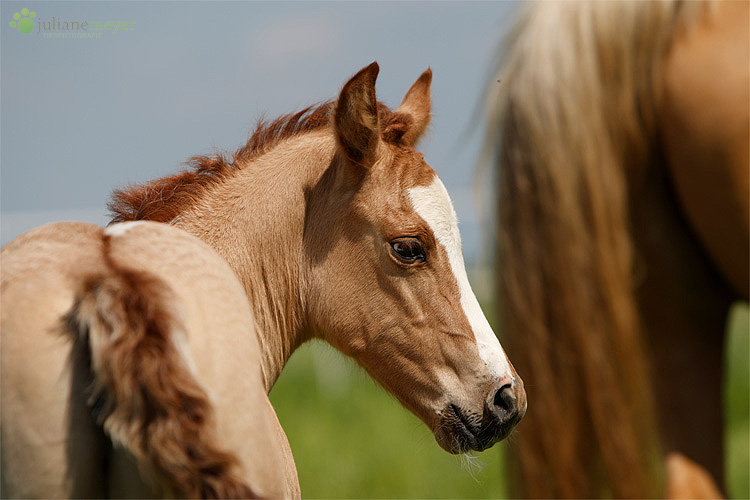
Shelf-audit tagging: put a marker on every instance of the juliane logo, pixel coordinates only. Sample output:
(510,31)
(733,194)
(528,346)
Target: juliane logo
(23,21)
(26,20)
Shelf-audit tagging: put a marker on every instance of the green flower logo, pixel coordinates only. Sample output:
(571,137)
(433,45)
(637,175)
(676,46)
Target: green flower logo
(24,21)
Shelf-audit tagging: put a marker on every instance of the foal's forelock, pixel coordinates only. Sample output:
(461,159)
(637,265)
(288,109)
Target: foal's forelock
(432,203)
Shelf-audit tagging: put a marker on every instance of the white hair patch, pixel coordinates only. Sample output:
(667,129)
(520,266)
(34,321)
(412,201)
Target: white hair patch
(433,204)
(123,227)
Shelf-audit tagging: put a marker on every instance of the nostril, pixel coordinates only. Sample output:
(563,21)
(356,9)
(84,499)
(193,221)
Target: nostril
(505,399)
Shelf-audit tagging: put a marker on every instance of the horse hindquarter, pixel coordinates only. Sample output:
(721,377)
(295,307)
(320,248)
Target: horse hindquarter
(171,370)
(44,411)
(219,348)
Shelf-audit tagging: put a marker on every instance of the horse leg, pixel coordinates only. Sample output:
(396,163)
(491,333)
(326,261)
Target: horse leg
(684,304)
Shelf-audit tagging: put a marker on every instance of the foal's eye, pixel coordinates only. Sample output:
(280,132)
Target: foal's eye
(408,250)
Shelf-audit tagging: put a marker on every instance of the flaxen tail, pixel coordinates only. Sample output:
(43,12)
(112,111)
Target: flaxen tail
(574,106)
(145,395)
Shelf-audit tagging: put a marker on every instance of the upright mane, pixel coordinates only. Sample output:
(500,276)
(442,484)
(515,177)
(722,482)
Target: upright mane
(162,200)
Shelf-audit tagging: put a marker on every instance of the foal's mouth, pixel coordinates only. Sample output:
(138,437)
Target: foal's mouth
(459,430)
(464,430)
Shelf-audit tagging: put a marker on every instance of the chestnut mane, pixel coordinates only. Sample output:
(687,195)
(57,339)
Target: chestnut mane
(162,200)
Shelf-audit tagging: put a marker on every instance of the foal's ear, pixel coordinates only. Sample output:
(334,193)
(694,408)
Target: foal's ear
(416,105)
(355,118)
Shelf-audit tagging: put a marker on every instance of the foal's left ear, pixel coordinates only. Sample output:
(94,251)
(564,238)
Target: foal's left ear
(413,115)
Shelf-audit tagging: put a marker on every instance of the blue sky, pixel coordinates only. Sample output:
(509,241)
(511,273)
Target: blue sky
(82,116)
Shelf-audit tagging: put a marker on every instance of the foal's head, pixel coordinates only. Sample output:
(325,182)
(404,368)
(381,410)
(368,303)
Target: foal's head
(387,283)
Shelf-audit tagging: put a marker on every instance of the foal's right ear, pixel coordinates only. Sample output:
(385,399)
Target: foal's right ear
(355,118)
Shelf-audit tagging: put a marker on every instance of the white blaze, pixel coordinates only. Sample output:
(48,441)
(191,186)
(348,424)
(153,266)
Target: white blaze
(433,204)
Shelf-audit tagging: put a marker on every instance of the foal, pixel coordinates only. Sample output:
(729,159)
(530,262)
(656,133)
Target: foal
(335,228)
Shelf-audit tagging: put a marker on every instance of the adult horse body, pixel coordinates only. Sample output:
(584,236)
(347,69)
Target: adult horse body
(326,224)
(623,223)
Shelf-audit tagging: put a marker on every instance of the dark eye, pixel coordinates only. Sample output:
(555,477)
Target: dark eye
(408,250)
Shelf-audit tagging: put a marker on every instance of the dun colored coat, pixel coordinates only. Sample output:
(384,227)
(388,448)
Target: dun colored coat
(137,360)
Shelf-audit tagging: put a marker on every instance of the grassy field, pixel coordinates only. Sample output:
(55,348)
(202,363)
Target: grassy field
(352,440)
(737,403)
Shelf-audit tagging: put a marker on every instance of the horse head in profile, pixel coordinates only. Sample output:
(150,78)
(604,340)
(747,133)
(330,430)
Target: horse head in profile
(340,230)
(327,224)
(387,282)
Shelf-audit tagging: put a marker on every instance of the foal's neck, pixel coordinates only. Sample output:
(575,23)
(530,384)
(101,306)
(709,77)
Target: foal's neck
(255,220)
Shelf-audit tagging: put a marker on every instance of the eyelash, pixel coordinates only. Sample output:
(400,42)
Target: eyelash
(408,250)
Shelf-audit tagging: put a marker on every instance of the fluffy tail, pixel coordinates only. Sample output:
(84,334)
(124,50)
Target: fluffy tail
(575,107)
(145,395)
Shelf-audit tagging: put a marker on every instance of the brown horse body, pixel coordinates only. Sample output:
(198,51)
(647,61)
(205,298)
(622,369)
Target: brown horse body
(327,224)
(69,286)
(623,171)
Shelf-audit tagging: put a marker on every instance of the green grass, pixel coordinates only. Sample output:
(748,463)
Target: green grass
(352,440)
(737,403)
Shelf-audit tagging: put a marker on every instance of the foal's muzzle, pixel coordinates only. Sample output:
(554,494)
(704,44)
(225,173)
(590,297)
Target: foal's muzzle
(465,430)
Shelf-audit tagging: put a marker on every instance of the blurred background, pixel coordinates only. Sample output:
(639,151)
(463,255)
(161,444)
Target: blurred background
(83,116)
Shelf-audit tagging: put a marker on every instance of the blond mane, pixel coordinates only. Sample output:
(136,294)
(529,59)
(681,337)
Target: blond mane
(573,120)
